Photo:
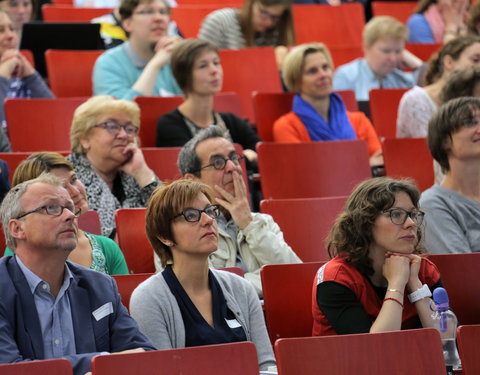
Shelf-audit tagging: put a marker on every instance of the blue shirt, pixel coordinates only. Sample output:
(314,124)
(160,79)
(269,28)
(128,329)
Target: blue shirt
(357,76)
(419,30)
(54,314)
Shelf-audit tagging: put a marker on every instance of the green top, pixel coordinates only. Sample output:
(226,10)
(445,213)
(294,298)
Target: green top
(106,255)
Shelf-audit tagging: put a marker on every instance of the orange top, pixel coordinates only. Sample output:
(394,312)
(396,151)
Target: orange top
(290,129)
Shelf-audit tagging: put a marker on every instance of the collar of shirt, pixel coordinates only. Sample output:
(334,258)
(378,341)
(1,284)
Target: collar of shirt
(133,56)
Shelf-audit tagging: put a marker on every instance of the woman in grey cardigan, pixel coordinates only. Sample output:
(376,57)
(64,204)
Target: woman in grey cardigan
(189,304)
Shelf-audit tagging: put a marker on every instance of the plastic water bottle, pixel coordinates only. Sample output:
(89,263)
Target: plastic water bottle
(446,324)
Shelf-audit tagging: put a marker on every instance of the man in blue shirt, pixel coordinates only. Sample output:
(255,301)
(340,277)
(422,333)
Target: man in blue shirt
(51,308)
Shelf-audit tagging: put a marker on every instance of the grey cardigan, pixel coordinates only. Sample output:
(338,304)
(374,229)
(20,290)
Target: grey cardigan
(155,309)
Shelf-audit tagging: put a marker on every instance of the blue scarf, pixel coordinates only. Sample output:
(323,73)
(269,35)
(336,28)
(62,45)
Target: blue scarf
(338,126)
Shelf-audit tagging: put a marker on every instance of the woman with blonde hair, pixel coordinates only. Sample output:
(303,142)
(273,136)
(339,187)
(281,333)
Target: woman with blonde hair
(189,304)
(96,252)
(318,114)
(107,158)
(258,23)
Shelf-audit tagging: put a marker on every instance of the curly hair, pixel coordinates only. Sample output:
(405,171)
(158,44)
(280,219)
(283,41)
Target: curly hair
(352,234)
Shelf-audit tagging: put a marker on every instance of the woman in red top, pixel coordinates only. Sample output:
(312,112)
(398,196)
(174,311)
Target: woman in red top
(318,114)
(376,281)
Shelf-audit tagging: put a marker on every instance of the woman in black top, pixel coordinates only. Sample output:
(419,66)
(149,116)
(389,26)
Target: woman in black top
(197,69)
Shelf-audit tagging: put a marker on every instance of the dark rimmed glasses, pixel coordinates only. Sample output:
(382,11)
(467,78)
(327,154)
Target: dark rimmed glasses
(219,162)
(52,210)
(114,128)
(193,215)
(399,216)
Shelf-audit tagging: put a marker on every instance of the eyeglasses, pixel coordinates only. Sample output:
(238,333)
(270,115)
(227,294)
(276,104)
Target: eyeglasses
(399,216)
(219,162)
(114,128)
(265,14)
(193,215)
(52,210)
(150,12)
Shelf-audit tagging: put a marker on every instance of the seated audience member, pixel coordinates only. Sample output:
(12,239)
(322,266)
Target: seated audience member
(198,71)
(318,114)
(139,66)
(96,252)
(246,240)
(51,308)
(462,83)
(474,19)
(452,223)
(258,23)
(18,79)
(437,21)
(375,245)
(383,46)
(20,12)
(419,104)
(107,159)
(4,179)
(189,304)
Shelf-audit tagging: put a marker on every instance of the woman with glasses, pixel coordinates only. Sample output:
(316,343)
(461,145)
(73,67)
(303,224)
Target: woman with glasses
(139,66)
(376,280)
(189,304)
(198,71)
(107,158)
(96,252)
(258,23)
(453,207)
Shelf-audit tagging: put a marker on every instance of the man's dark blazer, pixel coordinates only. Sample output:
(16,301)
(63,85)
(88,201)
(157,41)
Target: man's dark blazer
(20,332)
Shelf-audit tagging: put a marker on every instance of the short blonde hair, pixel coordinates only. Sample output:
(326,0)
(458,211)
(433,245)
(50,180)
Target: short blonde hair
(167,201)
(383,27)
(292,67)
(86,115)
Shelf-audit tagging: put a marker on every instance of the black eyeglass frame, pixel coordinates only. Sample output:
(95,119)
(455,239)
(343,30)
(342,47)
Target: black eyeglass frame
(107,125)
(418,219)
(216,208)
(48,210)
(235,159)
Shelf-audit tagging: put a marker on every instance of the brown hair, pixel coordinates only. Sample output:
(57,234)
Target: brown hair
(351,235)
(165,203)
(284,27)
(183,58)
(460,83)
(127,7)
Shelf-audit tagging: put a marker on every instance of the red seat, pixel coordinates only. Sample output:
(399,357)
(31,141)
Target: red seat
(401,10)
(340,25)
(90,222)
(133,241)
(312,170)
(163,161)
(29,56)
(220,4)
(126,284)
(412,352)
(409,157)
(384,108)
(235,359)
(70,72)
(423,50)
(287,296)
(468,337)
(59,366)
(268,107)
(70,13)
(40,124)
(459,273)
(189,18)
(344,54)
(241,79)
(303,227)
(153,107)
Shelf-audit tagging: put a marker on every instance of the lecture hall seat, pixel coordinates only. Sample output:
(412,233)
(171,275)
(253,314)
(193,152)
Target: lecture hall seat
(412,352)
(305,223)
(409,158)
(384,108)
(126,284)
(468,339)
(287,298)
(70,13)
(312,170)
(401,10)
(58,366)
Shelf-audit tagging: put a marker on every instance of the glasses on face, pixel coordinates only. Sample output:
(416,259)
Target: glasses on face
(114,128)
(193,215)
(219,162)
(151,12)
(399,216)
(52,210)
(265,14)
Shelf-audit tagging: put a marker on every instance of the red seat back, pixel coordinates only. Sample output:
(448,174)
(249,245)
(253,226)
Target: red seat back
(59,366)
(69,13)
(384,108)
(401,10)
(468,337)
(126,284)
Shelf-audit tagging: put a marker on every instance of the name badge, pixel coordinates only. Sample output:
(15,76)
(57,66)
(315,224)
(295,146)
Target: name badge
(103,311)
(233,323)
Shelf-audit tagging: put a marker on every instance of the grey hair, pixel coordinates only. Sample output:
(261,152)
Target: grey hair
(12,206)
(188,160)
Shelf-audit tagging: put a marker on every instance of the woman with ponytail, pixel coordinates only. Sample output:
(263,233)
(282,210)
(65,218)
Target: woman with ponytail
(419,104)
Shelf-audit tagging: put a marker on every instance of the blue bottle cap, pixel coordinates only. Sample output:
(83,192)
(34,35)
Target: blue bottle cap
(440,297)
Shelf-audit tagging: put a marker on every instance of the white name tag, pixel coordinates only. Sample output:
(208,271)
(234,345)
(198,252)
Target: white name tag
(103,311)
(233,323)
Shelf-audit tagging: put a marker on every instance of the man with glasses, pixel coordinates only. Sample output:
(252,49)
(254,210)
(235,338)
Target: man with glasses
(50,308)
(246,240)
